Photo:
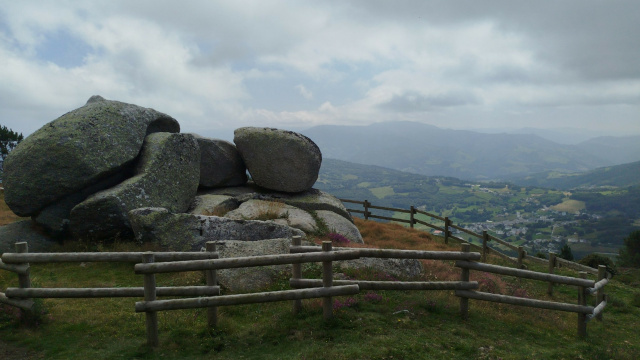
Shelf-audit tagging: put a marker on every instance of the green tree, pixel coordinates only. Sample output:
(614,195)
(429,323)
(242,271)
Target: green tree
(630,253)
(8,141)
(565,253)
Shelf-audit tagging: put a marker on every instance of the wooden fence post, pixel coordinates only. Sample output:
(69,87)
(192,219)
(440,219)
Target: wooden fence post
(582,300)
(366,209)
(485,240)
(150,295)
(412,218)
(24,280)
(212,280)
(552,265)
(446,230)
(464,302)
(296,273)
(521,256)
(327,281)
(602,273)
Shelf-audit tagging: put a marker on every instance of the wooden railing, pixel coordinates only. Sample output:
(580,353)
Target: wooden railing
(149,264)
(486,238)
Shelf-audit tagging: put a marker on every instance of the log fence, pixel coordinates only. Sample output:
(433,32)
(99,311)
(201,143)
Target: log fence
(149,264)
(448,226)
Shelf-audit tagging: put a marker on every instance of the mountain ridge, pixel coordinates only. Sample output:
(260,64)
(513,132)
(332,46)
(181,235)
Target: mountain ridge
(433,151)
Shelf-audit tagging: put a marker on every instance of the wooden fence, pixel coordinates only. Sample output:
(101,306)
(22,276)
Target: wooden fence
(149,264)
(486,238)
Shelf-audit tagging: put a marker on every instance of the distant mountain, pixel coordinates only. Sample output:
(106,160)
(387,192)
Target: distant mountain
(616,150)
(429,150)
(619,176)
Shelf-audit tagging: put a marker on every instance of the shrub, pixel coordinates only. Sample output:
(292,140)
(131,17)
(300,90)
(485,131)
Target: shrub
(630,253)
(565,253)
(338,238)
(594,260)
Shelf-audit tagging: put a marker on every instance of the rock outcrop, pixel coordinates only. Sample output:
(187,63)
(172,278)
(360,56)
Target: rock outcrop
(77,150)
(167,175)
(279,160)
(221,164)
(187,232)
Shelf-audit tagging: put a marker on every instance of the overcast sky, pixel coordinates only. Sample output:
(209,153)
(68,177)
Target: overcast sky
(217,65)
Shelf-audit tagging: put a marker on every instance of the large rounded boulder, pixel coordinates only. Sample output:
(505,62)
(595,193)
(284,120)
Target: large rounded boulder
(166,176)
(279,160)
(77,150)
(220,164)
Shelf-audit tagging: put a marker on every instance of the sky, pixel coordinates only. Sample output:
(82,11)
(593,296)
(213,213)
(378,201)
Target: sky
(219,65)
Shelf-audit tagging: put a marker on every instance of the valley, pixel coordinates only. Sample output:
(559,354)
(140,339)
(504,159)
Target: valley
(541,220)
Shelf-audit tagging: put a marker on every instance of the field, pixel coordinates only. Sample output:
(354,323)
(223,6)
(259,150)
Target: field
(372,325)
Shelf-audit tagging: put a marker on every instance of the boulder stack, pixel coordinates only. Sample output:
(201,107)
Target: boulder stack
(87,173)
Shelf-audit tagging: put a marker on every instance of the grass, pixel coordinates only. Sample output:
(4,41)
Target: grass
(382,192)
(371,325)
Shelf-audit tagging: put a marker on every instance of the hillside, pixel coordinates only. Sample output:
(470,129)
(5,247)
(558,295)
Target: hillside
(618,176)
(542,220)
(429,150)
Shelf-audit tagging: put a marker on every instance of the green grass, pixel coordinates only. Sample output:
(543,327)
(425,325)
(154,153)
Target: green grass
(375,325)
(382,192)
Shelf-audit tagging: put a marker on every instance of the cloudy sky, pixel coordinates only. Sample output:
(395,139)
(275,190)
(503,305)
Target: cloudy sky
(217,65)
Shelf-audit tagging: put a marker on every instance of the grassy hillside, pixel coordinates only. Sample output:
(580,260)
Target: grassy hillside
(372,325)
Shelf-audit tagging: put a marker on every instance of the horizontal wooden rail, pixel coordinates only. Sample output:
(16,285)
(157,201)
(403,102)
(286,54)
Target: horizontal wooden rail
(527,274)
(576,266)
(18,269)
(419,254)
(599,285)
(249,261)
(512,300)
(128,257)
(390,285)
(429,215)
(352,201)
(389,218)
(389,209)
(358,211)
(240,299)
(71,293)
(502,242)
(397,254)
(24,304)
(537,259)
(597,311)
(466,231)
(429,225)
(504,256)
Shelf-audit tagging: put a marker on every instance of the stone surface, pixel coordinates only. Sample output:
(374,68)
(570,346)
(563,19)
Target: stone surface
(167,175)
(26,230)
(311,200)
(187,232)
(338,224)
(221,164)
(78,149)
(213,205)
(277,159)
(277,211)
(55,217)
(251,278)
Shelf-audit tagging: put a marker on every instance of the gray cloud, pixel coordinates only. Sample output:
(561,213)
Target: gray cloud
(413,101)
